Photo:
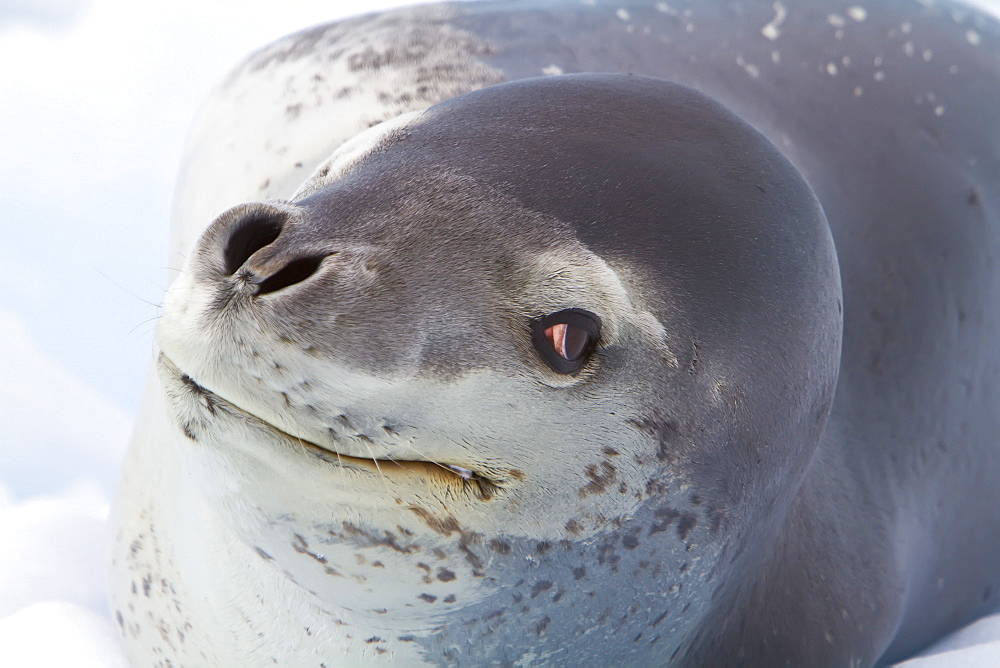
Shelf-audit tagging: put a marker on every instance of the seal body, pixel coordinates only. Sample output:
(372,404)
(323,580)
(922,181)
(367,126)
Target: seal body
(771,233)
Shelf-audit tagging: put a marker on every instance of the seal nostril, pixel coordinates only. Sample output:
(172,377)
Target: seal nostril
(250,236)
(294,272)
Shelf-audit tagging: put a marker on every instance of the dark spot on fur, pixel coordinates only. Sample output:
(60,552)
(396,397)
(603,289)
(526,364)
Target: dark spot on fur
(370,539)
(663,430)
(444,575)
(579,572)
(541,626)
(292,111)
(630,541)
(655,487)
(450,598)
(543,547)
(444,526)
(606,555)
(470,556)
(973,198)
(686,523)
(430,598)
(610,452)
(573,527)
(638,637)
(406,638)
(499,546)
(715,517)
(662,616)
(600,477)
(119,618)
(540,586)
(147,584)
(374,639)
(378,564)
(302,547)
(664,517)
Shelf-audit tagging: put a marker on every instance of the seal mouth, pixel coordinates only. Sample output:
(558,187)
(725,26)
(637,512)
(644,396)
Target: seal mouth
(483,486)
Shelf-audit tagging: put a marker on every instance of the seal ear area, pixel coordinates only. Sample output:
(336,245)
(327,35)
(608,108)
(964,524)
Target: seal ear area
(565,339)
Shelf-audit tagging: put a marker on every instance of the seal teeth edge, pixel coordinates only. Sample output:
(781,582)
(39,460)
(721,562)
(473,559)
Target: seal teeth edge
(462,473)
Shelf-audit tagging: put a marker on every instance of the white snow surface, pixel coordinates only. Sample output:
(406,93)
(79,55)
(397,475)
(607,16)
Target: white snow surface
(95,99)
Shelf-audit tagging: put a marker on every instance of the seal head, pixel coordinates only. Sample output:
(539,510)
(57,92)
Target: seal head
(538,367)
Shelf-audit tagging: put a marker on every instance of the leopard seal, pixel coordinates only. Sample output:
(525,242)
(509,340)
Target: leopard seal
(693,363)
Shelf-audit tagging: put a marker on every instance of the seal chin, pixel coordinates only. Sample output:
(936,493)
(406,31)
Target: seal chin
(196,409)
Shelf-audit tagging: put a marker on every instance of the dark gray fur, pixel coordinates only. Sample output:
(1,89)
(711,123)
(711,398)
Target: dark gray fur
(897,519)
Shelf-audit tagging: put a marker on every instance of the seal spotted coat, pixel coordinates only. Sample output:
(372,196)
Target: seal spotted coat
(586,368)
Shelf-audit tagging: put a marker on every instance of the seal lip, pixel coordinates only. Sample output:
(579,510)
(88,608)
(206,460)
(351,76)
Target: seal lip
(483,486)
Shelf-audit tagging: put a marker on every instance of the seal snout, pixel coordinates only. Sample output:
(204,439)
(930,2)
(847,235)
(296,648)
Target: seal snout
(248,238)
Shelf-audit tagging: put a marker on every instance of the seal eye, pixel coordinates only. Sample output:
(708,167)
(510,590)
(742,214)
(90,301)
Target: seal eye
(565,339)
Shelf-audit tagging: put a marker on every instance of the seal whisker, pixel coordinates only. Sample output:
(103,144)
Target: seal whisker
(147,320)
(126,290)
(377,467)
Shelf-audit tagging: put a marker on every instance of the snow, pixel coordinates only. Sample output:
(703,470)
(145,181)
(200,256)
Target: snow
(975,646)
(95,99)
(56,633)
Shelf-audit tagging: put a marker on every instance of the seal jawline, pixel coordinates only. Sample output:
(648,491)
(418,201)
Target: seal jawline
(487,486)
